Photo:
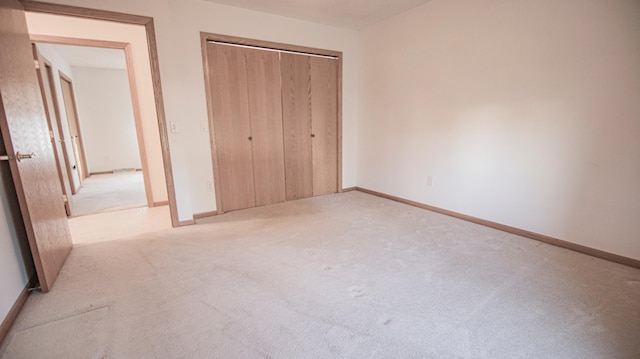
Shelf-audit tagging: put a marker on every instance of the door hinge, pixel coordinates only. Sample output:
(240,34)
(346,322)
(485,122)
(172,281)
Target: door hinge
(37,63)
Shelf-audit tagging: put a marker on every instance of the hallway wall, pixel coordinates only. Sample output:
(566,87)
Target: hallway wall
(106,116)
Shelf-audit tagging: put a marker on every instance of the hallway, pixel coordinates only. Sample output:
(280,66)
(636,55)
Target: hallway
(109,192)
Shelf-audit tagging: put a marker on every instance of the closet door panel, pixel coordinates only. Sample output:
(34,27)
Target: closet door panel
(265,110)
(296,117)
(324,124)
(231,125)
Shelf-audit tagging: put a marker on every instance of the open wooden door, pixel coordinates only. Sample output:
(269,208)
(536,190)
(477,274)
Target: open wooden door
(28,147)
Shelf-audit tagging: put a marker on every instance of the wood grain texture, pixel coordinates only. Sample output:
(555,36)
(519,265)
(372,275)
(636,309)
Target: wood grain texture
(296,119)
(231,123)
(24,128)
(265,112)
(324,124)
(513,230)
(50,112)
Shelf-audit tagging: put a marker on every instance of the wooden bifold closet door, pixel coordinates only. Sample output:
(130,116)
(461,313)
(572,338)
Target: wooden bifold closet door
(247,125)
(275,125)
(310,120)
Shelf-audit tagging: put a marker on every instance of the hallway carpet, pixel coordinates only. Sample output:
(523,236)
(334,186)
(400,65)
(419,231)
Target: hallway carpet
(338,276)
(109,192)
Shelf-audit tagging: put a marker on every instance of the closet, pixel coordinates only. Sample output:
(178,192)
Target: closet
(309,106)
(274,124)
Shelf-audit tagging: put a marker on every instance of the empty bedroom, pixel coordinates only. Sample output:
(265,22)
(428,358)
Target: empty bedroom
(344,179)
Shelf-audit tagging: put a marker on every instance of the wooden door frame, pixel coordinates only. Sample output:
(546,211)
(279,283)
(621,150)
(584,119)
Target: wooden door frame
(44,68)
(74,105)
(267,45)
(147,22)
(133,89)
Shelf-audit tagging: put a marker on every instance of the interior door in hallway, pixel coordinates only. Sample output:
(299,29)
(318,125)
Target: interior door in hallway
(74,126)
(27,142)
(231,126)
(296,119)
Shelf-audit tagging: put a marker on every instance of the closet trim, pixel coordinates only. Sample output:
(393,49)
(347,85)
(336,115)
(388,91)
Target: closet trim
(271,49)
(206,37)
(234,40)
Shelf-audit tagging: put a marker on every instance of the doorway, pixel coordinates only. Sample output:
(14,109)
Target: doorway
(101,130)
(158,191)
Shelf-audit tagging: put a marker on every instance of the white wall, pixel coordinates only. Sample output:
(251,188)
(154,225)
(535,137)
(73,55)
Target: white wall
(44,24)
(14,275)
(525,113)
(178,24)
(106,118)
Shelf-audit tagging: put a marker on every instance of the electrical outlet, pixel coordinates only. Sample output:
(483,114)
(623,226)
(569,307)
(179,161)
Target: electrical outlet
(203,126)
(430,181)
(174,127)
(209,187)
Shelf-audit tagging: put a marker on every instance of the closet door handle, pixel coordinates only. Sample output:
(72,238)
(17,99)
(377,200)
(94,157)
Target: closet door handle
(250,138)
(313,135)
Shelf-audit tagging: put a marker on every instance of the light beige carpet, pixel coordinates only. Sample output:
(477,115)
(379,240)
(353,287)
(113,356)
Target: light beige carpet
(109,192)
(121,224)
(339,276)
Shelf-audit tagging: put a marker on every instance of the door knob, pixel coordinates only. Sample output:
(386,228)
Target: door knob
(24,156)
(313,135)
(250,138)
(19,156)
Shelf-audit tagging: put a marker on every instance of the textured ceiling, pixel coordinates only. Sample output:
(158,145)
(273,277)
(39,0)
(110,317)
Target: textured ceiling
(344,13)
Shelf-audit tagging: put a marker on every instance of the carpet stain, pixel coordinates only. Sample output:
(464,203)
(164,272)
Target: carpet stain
(356,292)
(633,284)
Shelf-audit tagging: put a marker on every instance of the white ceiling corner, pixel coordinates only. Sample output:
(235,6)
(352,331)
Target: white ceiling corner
(343,13)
